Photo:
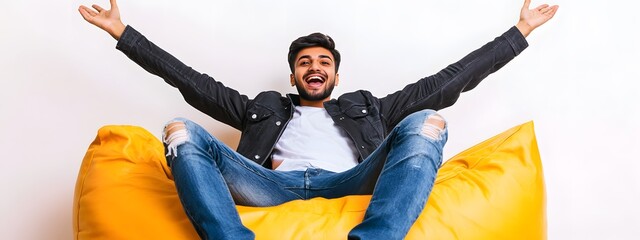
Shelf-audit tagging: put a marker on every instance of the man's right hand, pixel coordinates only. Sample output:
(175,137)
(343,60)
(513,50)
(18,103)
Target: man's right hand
(108,20)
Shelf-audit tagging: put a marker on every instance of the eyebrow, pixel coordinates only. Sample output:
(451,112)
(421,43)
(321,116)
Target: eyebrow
(319,56)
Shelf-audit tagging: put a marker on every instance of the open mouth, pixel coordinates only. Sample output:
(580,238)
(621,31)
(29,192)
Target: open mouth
(315,80)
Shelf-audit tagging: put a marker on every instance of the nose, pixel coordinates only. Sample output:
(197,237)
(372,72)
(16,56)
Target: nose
(314,66)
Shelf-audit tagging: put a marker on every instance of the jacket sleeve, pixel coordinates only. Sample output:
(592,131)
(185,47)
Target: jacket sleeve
(443,88)
(199,90)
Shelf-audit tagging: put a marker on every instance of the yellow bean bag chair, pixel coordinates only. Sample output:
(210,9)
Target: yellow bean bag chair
(494,190)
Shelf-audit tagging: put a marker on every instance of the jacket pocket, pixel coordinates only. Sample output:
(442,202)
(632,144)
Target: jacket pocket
(356,111)
(258,114)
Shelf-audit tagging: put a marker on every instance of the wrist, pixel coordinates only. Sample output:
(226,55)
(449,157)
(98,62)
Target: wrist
(116,30)
(524,28)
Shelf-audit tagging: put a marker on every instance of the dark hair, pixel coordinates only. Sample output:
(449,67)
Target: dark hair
(313,40)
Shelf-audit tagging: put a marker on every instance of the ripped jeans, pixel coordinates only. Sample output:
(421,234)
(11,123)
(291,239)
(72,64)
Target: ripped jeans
(211,179)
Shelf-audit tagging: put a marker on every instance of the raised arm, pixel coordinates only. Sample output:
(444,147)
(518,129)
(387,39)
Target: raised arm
(442,89)
(107,20)
(199,90)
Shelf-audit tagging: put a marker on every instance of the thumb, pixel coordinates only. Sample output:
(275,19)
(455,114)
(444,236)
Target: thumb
(113,4)
(526,4)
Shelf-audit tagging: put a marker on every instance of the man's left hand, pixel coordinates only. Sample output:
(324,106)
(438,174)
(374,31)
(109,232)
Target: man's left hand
(530,19)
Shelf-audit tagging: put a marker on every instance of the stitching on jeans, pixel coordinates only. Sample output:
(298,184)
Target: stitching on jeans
(246,167)
(241,163)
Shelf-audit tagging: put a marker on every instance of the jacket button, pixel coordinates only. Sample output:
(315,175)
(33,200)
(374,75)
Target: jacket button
(256,157)
(362,147)
(278,123)
(364,111)
(254,116)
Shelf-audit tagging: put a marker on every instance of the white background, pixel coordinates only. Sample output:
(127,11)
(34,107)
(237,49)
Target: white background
(62,79)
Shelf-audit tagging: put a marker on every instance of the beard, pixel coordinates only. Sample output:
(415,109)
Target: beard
(325,93)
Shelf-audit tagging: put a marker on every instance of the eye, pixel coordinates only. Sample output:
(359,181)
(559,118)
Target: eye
(304,63)
(326,63)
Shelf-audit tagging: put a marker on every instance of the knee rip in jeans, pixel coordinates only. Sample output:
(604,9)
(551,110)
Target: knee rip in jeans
(433,126)
(175,133)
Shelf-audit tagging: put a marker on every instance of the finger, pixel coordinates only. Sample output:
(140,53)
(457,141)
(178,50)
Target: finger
(539,8)
(88,11)
(85,14)
(546,9)
(526,4)
(113,3)
(552,11)
(100,9)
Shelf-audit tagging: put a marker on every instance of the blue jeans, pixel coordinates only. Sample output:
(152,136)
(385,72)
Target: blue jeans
(211,178)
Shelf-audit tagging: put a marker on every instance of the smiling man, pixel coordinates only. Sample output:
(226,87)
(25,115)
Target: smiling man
(314,70)
(311,145)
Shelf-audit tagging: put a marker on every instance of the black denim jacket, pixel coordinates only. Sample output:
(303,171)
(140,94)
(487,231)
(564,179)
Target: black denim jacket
(366,119)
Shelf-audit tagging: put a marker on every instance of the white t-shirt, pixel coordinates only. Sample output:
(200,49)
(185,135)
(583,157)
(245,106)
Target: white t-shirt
(312,139)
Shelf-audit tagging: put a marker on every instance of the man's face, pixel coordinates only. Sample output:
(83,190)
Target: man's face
(314,74)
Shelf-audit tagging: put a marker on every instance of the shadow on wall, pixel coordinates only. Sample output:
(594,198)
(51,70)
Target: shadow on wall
(55,223)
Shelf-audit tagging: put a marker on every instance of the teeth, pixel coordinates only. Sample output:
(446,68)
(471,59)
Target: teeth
(315,77)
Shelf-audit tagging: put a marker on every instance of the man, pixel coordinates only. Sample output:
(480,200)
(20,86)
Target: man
(310,145)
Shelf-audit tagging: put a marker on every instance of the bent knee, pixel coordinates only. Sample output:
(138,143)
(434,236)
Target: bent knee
(175,131)
(174,134)
(433,126)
